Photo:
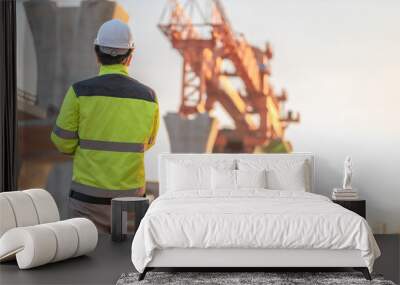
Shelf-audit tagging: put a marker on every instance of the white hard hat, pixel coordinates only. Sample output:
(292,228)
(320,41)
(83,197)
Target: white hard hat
(114,37)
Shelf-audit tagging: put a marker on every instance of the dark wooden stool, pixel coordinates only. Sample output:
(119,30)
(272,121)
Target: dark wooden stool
(120,207)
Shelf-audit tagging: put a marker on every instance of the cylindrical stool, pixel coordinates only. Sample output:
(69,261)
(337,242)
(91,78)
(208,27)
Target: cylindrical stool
(120,207)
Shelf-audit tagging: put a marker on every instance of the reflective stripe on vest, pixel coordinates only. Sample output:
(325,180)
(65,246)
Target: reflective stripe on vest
(111,146)
(105,193)
(65,134)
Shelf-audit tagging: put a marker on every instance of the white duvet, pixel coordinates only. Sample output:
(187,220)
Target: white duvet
(250,219)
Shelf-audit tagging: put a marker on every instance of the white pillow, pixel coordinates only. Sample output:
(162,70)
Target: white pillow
(188,174)
(282,174)
(292,178)
(223,179)
(182,177)
(251,178)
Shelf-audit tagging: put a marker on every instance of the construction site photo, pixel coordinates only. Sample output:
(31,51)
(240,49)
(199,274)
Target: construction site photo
(223,78)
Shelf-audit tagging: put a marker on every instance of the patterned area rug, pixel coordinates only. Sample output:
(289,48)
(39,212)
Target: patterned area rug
(243,278)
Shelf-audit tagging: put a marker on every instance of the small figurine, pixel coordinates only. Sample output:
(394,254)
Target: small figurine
(348,173)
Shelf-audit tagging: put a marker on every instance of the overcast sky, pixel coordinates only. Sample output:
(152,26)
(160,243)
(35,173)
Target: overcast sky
(339,61)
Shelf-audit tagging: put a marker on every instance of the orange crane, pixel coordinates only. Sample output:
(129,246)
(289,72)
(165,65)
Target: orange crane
(213,56)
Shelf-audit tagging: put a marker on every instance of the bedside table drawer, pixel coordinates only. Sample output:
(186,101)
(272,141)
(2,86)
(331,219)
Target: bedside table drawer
(357,206)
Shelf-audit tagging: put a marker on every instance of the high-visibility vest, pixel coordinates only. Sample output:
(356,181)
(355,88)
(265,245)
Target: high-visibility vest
(107,123)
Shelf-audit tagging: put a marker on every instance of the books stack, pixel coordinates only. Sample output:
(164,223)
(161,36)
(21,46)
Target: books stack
(344,194)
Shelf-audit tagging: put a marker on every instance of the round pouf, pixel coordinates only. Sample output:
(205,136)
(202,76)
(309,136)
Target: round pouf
(121,210)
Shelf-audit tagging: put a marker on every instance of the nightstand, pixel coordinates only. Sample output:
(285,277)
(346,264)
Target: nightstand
(357,206)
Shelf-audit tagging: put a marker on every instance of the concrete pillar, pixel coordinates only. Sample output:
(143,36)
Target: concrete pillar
(195,135)
(63,37)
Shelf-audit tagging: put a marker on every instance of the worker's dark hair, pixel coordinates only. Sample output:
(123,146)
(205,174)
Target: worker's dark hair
(106,59)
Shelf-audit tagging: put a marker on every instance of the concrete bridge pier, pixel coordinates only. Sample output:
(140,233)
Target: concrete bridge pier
(195,135)
(63,34)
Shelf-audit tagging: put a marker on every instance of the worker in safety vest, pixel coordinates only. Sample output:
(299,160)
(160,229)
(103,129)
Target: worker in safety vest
(107,123)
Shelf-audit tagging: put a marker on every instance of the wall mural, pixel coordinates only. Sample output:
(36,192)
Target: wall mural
(222,87)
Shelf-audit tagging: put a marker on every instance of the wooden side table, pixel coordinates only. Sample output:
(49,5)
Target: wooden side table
(120,209)
(357,206)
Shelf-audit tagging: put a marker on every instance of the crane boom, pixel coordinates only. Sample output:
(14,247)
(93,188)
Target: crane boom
(206,80)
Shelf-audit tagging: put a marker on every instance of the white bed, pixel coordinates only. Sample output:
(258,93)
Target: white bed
(248,227)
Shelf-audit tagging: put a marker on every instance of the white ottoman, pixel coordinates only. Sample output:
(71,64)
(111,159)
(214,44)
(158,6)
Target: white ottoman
(31,232)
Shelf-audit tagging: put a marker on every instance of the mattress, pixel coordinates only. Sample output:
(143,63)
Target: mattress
(251,219)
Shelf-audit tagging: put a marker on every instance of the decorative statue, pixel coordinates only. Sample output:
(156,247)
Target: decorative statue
(348,173)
